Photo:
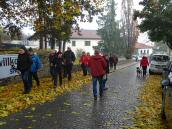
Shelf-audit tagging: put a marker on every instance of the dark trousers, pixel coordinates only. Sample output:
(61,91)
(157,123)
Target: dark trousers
(114,65)
(68,71)
(27,80)
(99,79)
(144,70)
(104,80)
(51,70)
(111,65)
(84,69)
(57,75)
(35,77)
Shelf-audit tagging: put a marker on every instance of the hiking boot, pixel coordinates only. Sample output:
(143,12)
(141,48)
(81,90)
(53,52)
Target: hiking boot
(95,97)
(105,88)
(101,95)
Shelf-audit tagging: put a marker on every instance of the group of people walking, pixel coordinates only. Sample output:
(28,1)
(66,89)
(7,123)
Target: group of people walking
(61,66)
(61,61)
(28,64)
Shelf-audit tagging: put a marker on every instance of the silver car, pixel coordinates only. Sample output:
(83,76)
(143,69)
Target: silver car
(158,62)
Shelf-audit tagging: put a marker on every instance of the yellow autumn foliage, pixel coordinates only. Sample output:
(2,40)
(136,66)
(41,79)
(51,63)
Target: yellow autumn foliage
(148,114)
(12,100)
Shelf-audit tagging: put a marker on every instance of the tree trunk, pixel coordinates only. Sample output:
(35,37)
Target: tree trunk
(64,46)
(45,40)
(53,43)
(41,42)
(0,39)
(60,45)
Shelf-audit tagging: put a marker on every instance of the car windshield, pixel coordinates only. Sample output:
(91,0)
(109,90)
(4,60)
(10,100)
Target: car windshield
(160,58)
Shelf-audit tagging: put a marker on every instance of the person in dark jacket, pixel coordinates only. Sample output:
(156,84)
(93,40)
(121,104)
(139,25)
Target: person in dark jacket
(51,56)
(69,58)
(97,65)
(35,66)
(24,64)
(115,58)
(57,68)
(111,61)
(105,77)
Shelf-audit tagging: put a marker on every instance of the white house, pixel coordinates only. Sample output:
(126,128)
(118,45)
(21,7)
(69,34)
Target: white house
(143,49)
(85,40)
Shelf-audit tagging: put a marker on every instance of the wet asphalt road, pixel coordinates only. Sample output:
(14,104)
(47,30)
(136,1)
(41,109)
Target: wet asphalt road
(78,110)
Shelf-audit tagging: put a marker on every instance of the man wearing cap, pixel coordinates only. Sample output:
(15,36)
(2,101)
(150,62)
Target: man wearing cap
(97,65)
(24,64)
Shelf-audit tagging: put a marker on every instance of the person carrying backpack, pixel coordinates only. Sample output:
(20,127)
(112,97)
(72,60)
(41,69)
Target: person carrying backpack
(68,58)
(97,65)
(144,63)
(105,77)
(35,66)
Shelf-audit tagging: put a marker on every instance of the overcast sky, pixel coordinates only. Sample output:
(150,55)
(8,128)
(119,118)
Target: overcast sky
(93,25)
(143,37)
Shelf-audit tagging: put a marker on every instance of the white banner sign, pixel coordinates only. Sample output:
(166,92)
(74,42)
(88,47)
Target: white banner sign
(8,64)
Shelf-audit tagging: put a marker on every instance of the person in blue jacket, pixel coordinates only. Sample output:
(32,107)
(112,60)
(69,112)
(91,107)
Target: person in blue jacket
(35,66)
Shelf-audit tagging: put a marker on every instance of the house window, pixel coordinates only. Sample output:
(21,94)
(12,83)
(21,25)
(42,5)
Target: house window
(144,51)
(141,52)
(147,51)
(87,43)
(73,43)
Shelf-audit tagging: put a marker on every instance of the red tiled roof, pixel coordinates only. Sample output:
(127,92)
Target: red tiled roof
(142,46)
(85,34)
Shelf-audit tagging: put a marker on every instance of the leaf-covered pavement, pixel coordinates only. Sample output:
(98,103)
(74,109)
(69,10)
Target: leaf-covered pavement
(148,114)
(78,110)
(13,100)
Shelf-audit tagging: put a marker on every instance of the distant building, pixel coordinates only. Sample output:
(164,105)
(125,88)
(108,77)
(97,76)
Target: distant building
(85,40)
(143,49)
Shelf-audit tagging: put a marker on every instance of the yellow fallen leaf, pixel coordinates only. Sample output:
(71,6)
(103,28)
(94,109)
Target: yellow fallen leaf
(29,127)
(2,123)
(33,108)
(28,116)
(75,113)
(48,115)
(67,104)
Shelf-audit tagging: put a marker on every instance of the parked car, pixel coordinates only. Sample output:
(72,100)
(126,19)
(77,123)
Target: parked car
(158,62)
(167,94)
(136,57)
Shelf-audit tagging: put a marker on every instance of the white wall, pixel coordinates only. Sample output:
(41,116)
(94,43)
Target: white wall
(146,51)
(80,44)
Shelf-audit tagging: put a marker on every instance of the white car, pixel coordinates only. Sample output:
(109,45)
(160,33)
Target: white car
(158,62)
(136,57)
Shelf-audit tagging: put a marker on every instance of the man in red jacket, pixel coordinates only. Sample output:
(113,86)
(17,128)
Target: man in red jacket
(144,64)
(97,65)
